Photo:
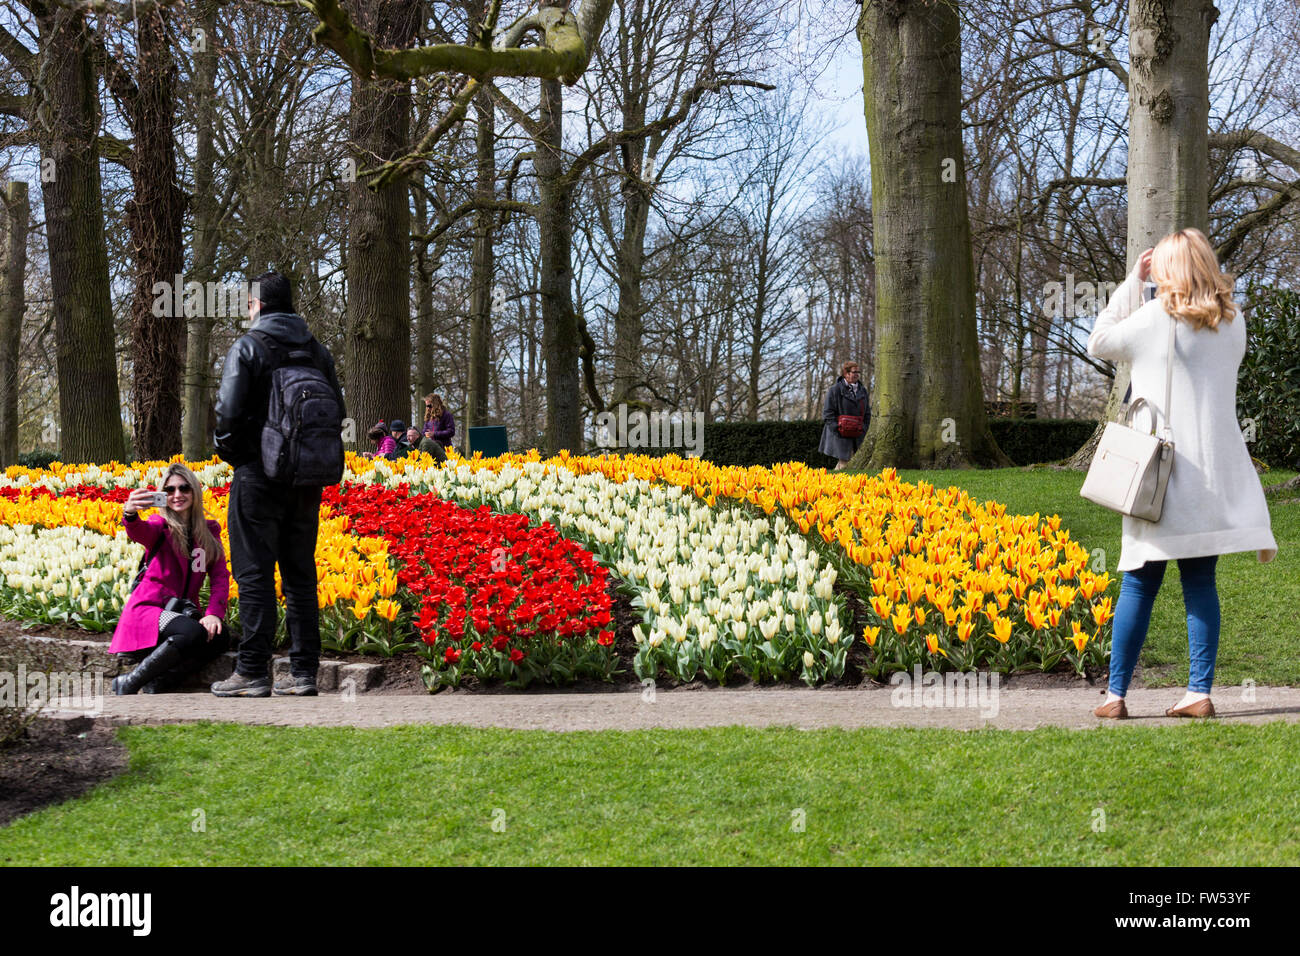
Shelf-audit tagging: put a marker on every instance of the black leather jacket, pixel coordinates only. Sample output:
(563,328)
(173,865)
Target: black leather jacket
(246,384)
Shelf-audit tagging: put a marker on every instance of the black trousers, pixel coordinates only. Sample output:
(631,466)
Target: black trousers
(191,639)
(272,524)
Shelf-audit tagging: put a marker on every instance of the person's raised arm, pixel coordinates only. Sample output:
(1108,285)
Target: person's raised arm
(1111,338)
(148,532)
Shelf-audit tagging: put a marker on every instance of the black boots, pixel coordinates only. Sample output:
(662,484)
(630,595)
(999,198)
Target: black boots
(164,657)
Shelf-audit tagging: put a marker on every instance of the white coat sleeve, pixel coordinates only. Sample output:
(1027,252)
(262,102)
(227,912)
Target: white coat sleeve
(1113,338)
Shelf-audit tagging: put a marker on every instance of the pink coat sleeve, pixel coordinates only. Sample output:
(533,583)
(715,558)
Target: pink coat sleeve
(146,533)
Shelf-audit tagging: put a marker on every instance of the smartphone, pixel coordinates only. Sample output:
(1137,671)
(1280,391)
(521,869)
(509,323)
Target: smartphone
(159,499)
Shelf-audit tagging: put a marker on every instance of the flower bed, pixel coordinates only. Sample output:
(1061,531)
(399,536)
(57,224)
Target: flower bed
(735,571)
(948,582)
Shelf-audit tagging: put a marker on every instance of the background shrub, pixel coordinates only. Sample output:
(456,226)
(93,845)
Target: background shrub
(1026,441)
(1268,385)
(38,458)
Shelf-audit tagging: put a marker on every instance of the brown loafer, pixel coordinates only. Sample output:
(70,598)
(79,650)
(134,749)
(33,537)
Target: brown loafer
(1115,710)
(1201,708)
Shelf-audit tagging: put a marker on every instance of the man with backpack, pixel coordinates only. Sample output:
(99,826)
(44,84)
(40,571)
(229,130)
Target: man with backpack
(279,419)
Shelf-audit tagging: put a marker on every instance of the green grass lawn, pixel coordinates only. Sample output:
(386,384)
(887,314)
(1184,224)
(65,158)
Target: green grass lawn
(1197,794)
(1259,603)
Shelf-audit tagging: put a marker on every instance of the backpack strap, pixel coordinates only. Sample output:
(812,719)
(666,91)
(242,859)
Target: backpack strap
(271,345)
(284,356)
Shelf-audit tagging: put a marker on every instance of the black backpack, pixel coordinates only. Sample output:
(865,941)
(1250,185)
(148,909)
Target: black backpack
(302,440)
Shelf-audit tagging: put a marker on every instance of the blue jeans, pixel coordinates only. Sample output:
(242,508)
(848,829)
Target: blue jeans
(1137,594)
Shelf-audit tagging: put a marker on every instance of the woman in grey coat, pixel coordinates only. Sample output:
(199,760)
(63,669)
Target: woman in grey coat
(846,397)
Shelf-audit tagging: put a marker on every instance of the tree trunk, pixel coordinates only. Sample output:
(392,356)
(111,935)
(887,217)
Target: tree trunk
(1168,147)
(928,406)
(379,257)
(90,416)
(13,268)
(199,379)
(481,288)
(630,263)
(759,316)
(560,339)
(154,217)
(425,263)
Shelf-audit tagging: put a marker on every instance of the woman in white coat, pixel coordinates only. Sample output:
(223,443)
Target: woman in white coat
(1214,503)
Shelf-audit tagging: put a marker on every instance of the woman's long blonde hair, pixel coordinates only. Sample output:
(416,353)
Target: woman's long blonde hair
(194,530)
(1189,281)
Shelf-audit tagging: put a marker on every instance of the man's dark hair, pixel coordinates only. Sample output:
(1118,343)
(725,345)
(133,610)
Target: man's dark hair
(274,292)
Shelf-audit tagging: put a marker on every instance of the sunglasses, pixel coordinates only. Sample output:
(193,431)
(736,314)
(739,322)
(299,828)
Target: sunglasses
(178,490)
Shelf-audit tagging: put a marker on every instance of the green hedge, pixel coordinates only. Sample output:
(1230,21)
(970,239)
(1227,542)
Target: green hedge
(1268,385)
(1029,441)
(1025,440)
(38,459)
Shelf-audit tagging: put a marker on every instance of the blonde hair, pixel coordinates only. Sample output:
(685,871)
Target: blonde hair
(1189,281)
(194,530)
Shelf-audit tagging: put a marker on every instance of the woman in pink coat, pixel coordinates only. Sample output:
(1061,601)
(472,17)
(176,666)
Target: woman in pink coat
(183,549)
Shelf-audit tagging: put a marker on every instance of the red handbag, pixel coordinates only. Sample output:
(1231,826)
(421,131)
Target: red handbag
(852,426)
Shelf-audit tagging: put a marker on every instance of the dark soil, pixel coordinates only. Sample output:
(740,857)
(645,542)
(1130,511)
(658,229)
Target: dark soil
(54,761)
(10,627)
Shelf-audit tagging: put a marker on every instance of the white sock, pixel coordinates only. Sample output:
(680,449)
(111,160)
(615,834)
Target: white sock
(1189,698)
(1112,697)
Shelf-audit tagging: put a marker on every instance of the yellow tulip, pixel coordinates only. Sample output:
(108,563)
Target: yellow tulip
(1002,629)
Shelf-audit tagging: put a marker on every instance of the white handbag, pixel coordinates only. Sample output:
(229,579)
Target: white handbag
(1130,470)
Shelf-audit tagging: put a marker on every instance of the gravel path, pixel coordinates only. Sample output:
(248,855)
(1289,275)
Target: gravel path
(635,709)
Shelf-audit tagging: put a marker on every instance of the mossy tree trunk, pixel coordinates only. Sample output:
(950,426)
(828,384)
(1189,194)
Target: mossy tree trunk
(927,398)
(67,120)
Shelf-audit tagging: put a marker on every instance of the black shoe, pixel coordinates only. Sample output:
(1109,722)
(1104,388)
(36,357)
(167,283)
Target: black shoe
(164,657)
(240,686)
(295,687)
